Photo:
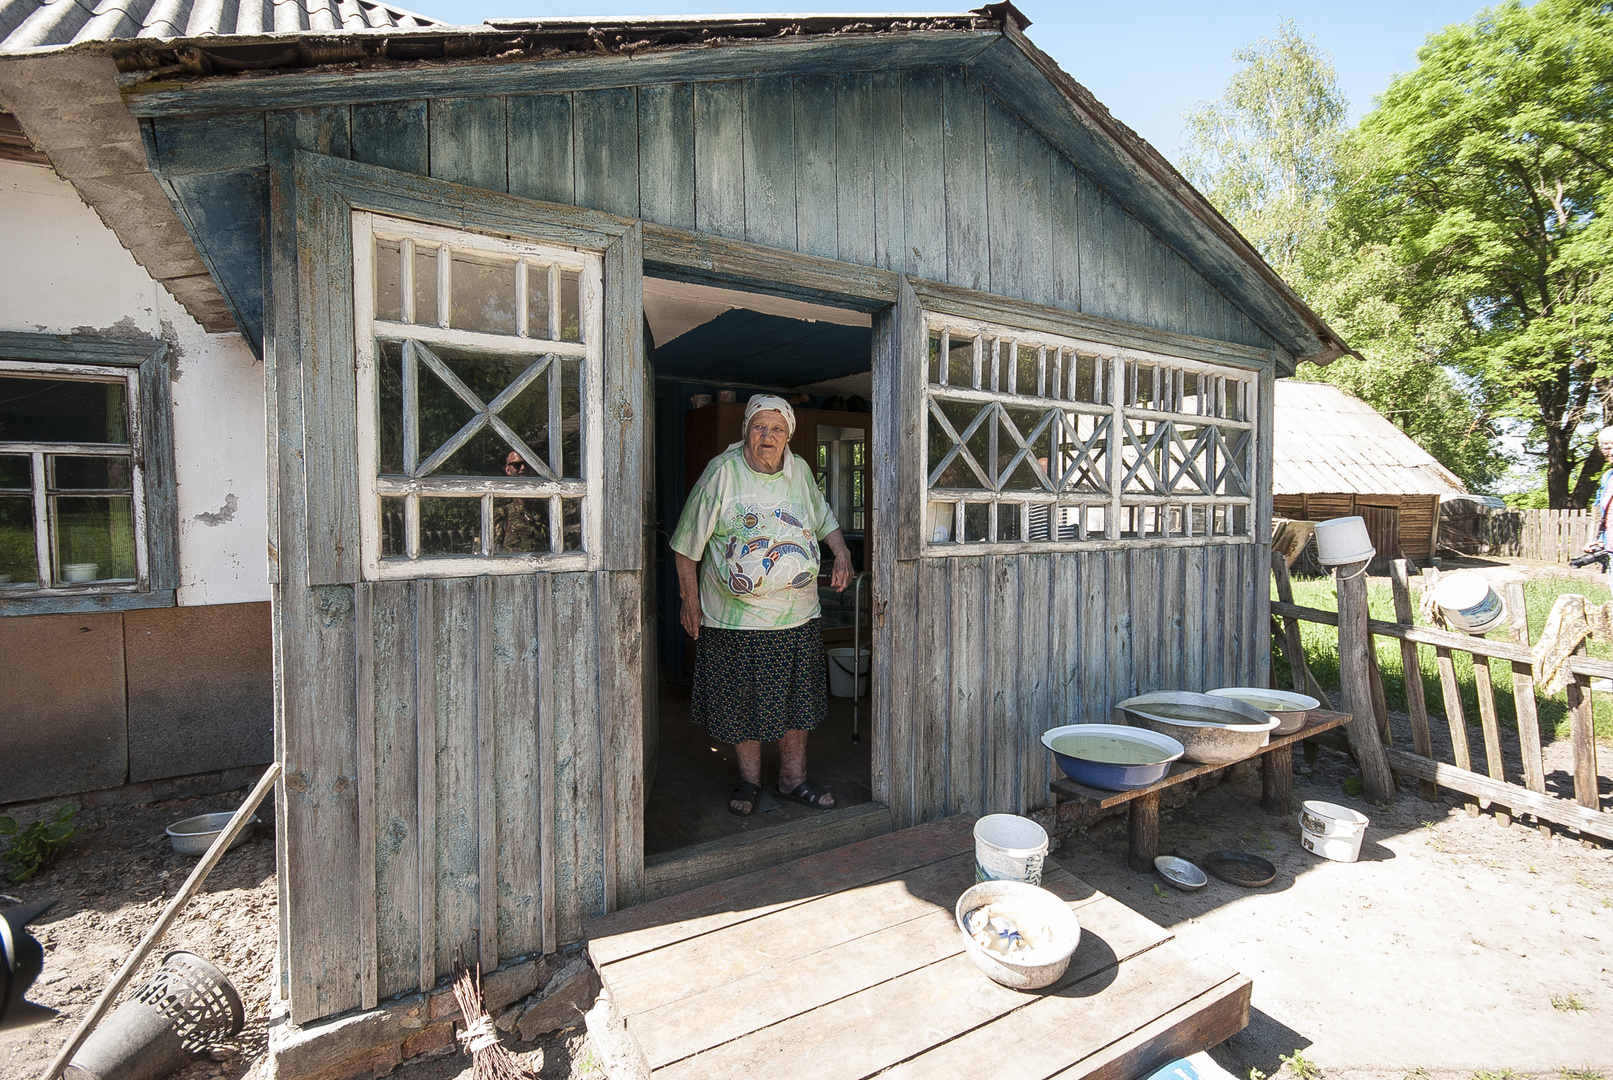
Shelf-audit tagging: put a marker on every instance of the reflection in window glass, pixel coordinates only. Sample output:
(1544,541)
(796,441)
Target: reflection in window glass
(18,564)
(15,472)
(538,314)
(392,526)
(62,410)
(388,295)
(571,417)
(960,361)
(90,474)
(483,291)
(450,526)
(94,539)
(571,524)
(425,285)
(570,306)
(442,413)
(389,387)
(935,358)
(1008,522)
(520,526)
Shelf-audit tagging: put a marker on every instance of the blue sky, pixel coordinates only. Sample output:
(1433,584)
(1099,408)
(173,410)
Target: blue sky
(1148,62)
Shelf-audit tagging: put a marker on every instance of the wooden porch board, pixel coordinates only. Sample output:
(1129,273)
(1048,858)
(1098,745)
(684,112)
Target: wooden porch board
(848,963)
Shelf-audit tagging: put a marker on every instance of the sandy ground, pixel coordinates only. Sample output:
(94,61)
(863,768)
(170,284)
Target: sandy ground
(1455,947)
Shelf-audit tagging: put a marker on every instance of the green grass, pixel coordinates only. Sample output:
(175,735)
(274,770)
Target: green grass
(1321,654)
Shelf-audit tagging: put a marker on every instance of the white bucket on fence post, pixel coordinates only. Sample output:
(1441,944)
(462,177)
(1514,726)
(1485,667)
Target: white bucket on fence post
(1009,848)
(1468,603)
(1344,540)
(840,674)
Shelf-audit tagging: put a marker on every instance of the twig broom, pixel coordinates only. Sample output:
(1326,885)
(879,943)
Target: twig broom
(489,1059)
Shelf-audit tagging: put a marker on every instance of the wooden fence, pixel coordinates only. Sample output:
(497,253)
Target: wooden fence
(1544,535)
(1578,808)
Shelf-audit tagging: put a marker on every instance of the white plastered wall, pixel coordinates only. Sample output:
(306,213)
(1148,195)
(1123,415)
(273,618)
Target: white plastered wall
(63,271)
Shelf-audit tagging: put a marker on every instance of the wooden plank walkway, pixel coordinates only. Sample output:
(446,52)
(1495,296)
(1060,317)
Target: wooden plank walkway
(848,964)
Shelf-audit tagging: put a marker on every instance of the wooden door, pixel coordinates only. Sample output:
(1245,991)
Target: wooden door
(459,413)
(1383,528)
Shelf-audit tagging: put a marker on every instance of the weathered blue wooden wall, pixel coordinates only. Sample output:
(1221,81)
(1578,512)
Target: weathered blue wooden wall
(923,171)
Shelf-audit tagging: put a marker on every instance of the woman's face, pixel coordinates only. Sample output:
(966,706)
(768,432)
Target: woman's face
(767,439)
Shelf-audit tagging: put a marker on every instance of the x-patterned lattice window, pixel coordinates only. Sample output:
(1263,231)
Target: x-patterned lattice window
(480,382)
(1040,439)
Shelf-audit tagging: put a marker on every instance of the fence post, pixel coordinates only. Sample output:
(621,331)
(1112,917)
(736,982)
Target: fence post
(1355,675)
(1411,664)
(1523,699)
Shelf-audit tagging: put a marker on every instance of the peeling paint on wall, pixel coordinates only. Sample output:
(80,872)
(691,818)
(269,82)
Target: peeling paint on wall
(222,514)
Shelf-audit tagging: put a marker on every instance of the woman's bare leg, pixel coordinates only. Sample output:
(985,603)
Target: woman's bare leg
(750,767)
(792,764)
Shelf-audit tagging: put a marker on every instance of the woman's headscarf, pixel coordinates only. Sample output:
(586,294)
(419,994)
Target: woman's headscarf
(763,402)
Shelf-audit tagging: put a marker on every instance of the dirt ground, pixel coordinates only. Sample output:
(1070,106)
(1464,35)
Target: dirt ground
(1456,947)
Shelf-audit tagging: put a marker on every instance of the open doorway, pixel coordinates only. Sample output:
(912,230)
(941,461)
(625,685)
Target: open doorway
(711,349)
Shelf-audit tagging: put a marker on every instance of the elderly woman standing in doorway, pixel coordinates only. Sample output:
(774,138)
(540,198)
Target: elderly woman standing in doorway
(747,556)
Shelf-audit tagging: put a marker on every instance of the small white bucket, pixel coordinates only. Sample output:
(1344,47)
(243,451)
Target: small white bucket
(1009,848)
(1468,602)
(840,684)
(1343,540)
(1331,831)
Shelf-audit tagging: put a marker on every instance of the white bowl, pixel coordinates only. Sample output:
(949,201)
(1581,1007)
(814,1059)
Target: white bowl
(78,572)
(1290,713)
(194,835)
(1037,905)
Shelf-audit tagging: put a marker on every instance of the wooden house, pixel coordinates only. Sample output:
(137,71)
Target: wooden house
(1335,456)
(441,241)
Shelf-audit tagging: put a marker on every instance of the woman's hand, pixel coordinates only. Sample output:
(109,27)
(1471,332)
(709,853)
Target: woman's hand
(689,590)
(690,617)
(840,576)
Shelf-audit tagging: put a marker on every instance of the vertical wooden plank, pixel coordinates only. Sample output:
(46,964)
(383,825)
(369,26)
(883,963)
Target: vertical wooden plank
(769,125)
(666,154)
(1091,254)
(1489,722)
(579,873)
(1523,693)
(621,651)
(964,158)
(1411,665)
(890,184)
(623,494)
(458,855)
(607,154)
(1032,683)
(1095,695)
(967,733)
(1583,730)
(397,855)
(1036,216)
(904,719)
(932,702)
(1173,621)
(924,179)
(512,661)
(425,647)
(468,142)
(1355,642)
(1065,645)
(1119,600)
(540,147)
(719,158)
(1196,624)
(854,168)
(364,730)
(1064,193)
(817,229)
(487,834)
(886,361)
(1006,209)
(1115,283)
(392,134)
(1006,675)
(904,508)
(544,736)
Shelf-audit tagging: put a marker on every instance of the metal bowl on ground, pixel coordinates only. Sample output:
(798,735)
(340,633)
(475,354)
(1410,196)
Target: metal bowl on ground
(1180,873)
(1289,708)
(1212,730)
(194,835)
(1114,757)
(1028,905)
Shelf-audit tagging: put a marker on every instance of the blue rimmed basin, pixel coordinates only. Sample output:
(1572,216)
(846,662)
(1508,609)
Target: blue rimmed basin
(1114,757)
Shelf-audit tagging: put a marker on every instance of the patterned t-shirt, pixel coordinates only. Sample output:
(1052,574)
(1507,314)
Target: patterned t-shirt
(756,538)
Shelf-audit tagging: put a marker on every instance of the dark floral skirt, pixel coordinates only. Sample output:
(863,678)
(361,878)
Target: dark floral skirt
(758,684)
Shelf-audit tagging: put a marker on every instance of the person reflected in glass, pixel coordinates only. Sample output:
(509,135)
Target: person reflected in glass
(520,525)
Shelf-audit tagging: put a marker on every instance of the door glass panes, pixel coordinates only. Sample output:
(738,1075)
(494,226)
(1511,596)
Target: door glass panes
(37,410)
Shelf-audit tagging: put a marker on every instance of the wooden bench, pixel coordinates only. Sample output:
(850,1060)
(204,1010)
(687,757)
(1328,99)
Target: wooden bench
(1142,805)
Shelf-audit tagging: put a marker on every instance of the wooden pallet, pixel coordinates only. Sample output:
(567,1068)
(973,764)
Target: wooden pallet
(849,964)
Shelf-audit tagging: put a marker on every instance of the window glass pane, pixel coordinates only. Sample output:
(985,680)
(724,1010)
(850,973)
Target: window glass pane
(960,361)
(15,472)
(537,301)
(62,410)
(392,526)
(94,539)
(520,525)
(857,481)
(1085,379)
(90,474)
(17,562)
(483,292)
(935,357)
(442,413)
(450,526)
(425,285)
(957,474)
(528,417)
(570,306)
(389,387)
(484,455)
(571,417)
(1008,522)
(571,518)
(976,521)
(388,298)
(1240,520)
(1025,363)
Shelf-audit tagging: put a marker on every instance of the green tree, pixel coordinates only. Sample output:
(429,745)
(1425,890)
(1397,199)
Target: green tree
(1484,174)
(1268,154)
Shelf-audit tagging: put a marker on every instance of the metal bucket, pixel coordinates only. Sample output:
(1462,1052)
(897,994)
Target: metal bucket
(1468,602)
(1009,848)
(186,1006)
(1344,540)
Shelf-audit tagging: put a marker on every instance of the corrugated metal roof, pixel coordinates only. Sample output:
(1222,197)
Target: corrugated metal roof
(27,25)
(1325,440)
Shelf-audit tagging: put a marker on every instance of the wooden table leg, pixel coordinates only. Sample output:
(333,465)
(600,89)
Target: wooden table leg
(1142,817)
(1277,780)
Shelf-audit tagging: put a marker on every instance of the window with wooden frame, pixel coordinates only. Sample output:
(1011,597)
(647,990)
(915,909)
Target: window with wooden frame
(480,382)
(1036,439)
(86,475)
